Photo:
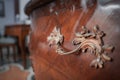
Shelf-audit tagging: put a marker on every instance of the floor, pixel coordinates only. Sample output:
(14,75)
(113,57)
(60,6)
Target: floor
(9,61)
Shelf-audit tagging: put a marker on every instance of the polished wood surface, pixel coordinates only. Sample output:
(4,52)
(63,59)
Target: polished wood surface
(48,65)
(20,31)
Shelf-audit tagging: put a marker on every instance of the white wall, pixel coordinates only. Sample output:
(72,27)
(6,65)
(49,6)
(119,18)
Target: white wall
(9,15)
(22,5)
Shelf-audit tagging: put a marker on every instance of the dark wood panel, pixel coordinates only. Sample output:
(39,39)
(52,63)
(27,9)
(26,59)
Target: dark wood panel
(16,6)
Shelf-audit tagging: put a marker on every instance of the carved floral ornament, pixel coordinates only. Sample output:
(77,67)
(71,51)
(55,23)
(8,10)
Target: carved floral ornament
(86,41)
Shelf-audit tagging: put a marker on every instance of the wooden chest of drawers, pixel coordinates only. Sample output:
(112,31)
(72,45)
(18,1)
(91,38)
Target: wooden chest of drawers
(51,20)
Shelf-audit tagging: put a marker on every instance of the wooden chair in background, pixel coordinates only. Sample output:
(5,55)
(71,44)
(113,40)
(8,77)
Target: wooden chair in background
(8,43)
(20,31)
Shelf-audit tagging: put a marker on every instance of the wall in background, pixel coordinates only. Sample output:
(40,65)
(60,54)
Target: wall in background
(22,5)
(9,17)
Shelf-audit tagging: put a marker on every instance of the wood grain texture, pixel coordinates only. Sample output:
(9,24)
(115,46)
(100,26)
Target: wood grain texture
(48,65)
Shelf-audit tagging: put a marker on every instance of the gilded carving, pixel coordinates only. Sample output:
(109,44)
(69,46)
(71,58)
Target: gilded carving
(86,41)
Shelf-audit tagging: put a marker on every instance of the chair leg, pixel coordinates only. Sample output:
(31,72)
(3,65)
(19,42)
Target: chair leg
(1,55)
(14,53)
(8,53)
(24,58)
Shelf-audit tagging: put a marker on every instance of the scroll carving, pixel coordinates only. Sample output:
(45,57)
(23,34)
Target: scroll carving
(86,41)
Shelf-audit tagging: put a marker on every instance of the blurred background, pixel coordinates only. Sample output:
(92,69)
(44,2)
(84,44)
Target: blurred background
(12,13)
(14,29)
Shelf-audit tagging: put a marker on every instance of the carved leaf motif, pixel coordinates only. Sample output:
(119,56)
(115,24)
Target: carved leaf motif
(85,41)
(107,58)
(108,48)
(97,63)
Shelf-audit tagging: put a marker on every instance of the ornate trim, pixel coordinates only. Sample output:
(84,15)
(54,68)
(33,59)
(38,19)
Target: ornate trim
(85,41)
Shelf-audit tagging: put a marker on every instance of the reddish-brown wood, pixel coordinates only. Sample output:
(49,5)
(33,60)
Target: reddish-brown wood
(48,65)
